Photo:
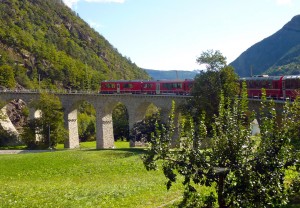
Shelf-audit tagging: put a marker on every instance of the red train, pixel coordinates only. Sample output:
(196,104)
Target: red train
(178,87)
(277,87)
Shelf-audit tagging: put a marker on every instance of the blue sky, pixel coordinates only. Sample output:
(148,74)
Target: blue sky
(171,34)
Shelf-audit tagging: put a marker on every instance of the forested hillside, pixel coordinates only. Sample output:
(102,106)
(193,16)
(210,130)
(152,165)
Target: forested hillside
(278,54)
(45,44)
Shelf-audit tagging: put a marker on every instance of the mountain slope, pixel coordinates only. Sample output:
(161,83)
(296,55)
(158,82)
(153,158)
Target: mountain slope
(171,74)
(276,54)
(47,45)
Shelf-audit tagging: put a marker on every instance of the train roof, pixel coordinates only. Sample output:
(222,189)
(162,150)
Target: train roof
(166,80)
(291,77)
(261,77)
(125,80)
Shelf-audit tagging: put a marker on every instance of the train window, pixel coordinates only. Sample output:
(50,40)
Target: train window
(170,86)
(110,85)
(167,86)
(293,83)
(276,85)
(127,85)
(179,85)
(148,86)
(288,84)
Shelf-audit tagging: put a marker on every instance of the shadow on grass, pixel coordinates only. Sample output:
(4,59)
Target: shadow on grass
(136,151)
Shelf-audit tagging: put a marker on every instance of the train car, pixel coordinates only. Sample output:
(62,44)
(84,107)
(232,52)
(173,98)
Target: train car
(277,87)
(178,87)
(150,87)
(187,86)
(291,86)
(170,86)
(121,87)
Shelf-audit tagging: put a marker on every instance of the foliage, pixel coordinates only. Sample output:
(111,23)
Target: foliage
(208,85)
(7,78)
(293,120)
(243,172)
(48,46)
(214,60)
(86,127)
(7,138)
(142,130)
(120,122)
(86,122)
(49,126)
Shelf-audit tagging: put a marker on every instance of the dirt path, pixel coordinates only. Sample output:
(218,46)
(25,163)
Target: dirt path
(7,152)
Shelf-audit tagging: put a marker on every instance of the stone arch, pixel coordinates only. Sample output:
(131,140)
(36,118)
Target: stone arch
(137,112)
(120,120)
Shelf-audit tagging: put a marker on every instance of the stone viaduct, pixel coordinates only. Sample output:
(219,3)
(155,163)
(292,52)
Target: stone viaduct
(104,104)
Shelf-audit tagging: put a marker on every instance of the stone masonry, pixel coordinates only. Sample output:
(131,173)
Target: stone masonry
(104,104)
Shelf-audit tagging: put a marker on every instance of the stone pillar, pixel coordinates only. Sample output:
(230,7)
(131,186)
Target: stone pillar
(70,117)
(104,129)
(33,113)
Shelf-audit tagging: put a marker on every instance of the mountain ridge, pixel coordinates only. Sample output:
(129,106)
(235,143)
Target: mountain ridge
(274,55)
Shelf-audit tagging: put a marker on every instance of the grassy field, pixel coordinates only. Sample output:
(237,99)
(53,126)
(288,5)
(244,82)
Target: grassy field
(82,178)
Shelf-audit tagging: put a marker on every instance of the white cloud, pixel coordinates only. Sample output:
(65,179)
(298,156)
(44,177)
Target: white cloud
(94,24)
(72,3)
(284,2)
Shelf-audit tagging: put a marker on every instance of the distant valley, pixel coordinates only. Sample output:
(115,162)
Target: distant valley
(171,74)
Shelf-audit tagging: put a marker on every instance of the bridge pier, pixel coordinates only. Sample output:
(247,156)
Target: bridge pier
(34,113)
(104,129)
(71,124)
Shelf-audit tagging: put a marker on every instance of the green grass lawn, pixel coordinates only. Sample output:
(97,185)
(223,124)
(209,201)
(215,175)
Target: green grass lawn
(82,178)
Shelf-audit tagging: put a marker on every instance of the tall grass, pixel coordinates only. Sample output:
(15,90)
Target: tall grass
(82,178)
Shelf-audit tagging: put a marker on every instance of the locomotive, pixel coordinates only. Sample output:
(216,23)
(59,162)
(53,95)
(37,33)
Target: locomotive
(277,87)
(178,87)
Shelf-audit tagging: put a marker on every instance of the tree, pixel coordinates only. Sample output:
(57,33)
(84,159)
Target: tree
(208,85)
(214,60)
(244,172)
(7,78)
(49,125)
(120,122)
(86,122)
